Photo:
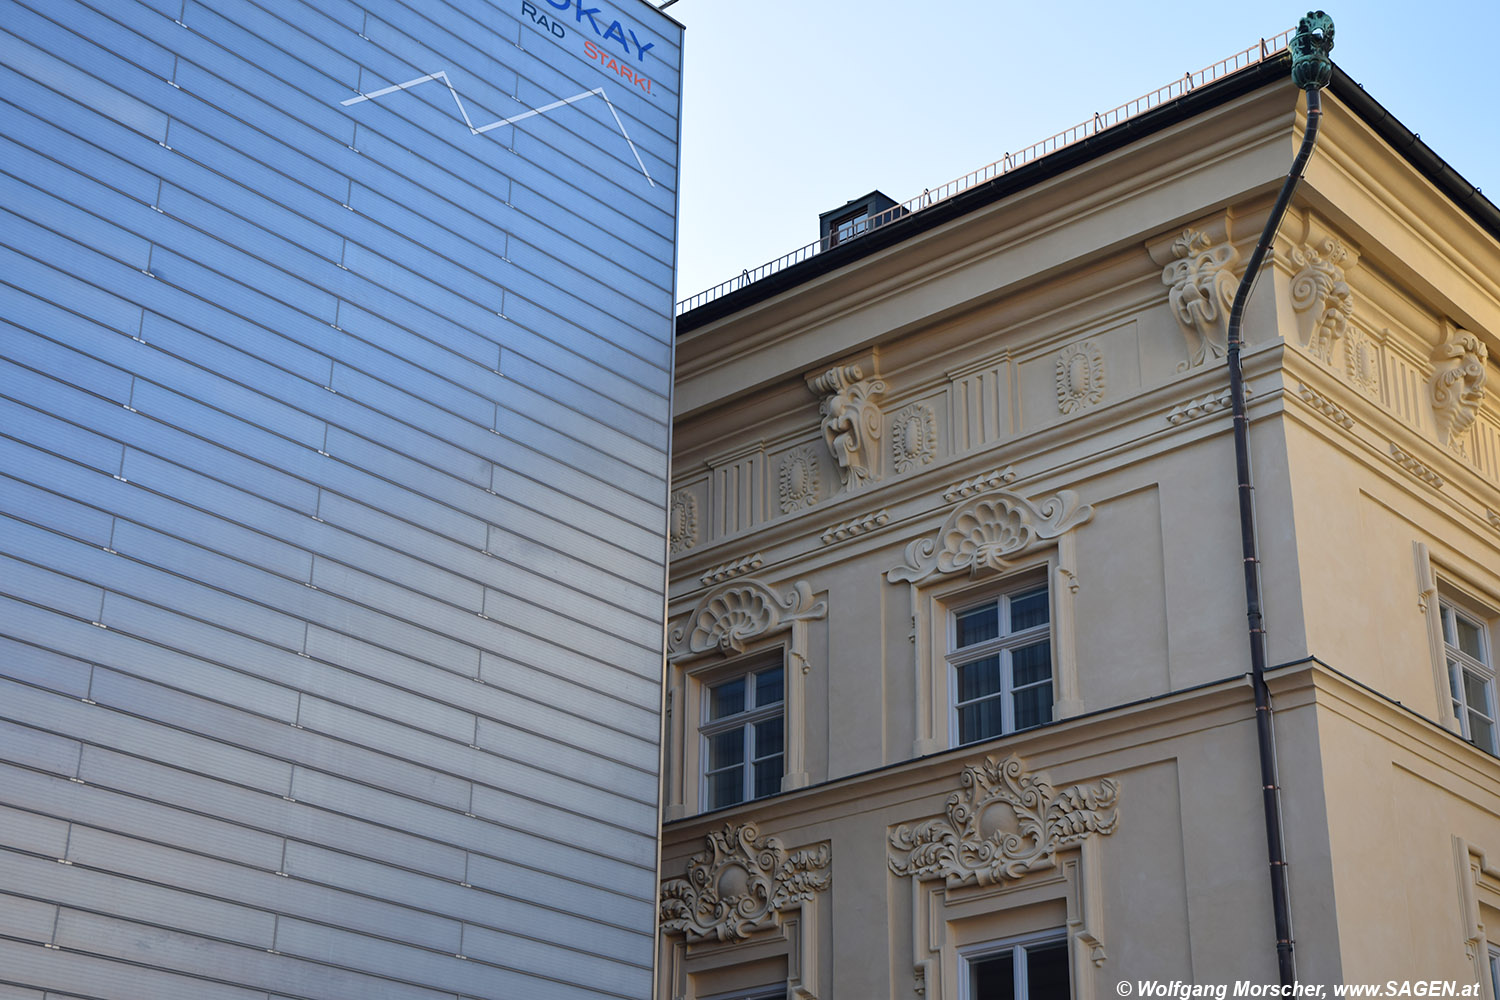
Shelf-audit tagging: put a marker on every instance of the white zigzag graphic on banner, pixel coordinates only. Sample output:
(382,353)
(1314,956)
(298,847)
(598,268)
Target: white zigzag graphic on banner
(442,75)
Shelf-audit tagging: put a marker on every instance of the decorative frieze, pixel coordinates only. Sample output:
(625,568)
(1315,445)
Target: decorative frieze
(1202,406)
(1457,386)
(992,480)
(742,884)
(682,523)
(1321,296)
(1201,284)
(729,570)
(988,532)
(1325,406)
(1416,468)
(1001,824)
(855,526)
(734,613)
(797,483)
(914,437)
(1080,377)
(851,421)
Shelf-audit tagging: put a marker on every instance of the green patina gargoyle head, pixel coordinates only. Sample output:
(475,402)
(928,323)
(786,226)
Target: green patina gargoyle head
(1311,67)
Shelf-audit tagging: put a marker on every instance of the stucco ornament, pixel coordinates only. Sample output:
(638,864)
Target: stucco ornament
(1457,386)
(1080,377)
(1201,284)
(851,421)
(1002,824)
(1362,362)
(1321,295)
(740,885)
(914,436)
(730,615)
(797,482)
(986,533)
(683,526)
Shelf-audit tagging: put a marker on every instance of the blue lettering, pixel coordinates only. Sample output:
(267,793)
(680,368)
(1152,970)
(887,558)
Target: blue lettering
(589,13)
(641,48)
(615,31)
(561,6)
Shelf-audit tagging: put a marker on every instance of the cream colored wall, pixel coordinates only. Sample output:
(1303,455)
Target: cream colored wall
(968,341)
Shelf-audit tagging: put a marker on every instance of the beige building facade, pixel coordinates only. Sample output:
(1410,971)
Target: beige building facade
(957,696)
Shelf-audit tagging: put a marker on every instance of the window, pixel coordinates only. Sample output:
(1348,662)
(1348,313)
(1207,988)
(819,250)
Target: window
(1001,659)
(849,226)
(743,736)
(1495,971)
(1030,968)
(768,993)
(1471,674)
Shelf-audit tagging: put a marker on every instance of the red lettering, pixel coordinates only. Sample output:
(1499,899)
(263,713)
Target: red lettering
(591,49)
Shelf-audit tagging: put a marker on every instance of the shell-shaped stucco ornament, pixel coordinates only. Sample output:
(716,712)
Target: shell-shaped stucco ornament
(913,436)
(740,885)
(1080,377)
(797,483)
(732,614)
(682,526)
(988,532)
(1003,823)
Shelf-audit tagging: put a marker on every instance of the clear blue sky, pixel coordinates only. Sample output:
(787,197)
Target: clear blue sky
(792,108)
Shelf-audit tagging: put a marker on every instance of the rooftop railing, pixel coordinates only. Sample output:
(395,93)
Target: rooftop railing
(1265,49)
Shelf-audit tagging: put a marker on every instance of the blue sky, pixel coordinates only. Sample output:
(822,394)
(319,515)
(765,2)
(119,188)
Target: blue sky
(792,108)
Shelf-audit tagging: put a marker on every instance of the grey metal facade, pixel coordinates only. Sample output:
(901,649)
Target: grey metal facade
(334,421)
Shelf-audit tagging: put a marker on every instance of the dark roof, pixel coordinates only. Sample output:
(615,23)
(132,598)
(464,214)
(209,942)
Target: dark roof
(1399,137)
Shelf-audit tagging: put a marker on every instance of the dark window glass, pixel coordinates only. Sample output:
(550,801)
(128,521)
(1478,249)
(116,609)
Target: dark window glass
(767,687)
(1028,610)
(980,721)
(978,625)
(993,978)
(1047,971)
(980,678)
(727,698)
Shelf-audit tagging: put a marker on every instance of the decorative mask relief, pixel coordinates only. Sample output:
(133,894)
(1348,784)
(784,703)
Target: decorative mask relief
(683,523)
(741,885)
(1002,824)
(732,614)
(1201,284)
(1080,377)
(1457,386)
(1321,296)
(987,532)
(914,436)
(851,421)
(797,480)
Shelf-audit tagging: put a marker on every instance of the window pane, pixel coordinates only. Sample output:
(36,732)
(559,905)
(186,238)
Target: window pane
(1476,693)
(980,721)
(1034,706)
(1028,609)
(980,678)
(978,625)
(727,698)
(726,788)
(767,737)
(768,776)
(1481,731)
(726,749)
(993,978)
(1031,664)
(1047,971)
(1455,683)
(1468,637)
(767,687)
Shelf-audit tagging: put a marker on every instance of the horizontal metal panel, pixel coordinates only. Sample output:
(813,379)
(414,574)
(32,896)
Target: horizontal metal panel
(41,666)
(279,36)
(89,91)
(76,973)
(91,36)
(607,839)
(20,993)
(270,813)
(268,363)
(98,725)
(32,747)
(265,890)
(620,404)
(50,508)
(584,614)
(46,432)
(560,753)
(472,370)
(28,831)
(576,508)
(51,198)
(71,153)
(109,810)
(78,886)
(253,967)
(29,581)
(523,311)
(106,308)
(623,680)
(569,556)
(592,962)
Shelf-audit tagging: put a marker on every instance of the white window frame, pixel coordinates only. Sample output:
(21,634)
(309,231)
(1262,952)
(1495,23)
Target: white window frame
(1459,664)
(745,720)
(1001,645)
(991,949)
(776,992)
